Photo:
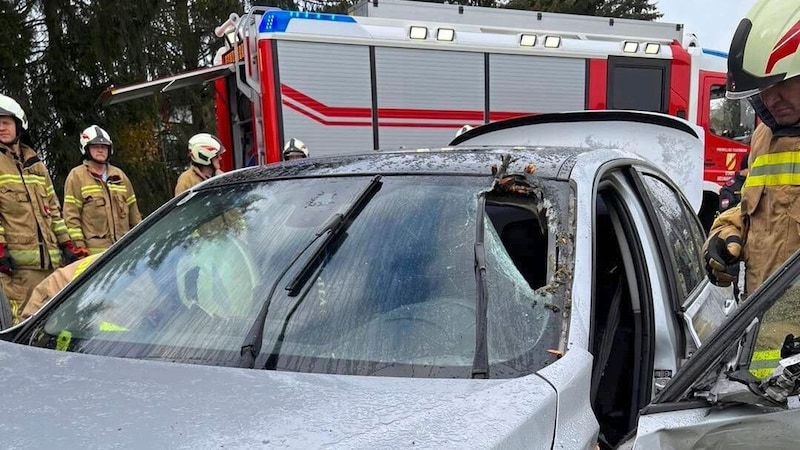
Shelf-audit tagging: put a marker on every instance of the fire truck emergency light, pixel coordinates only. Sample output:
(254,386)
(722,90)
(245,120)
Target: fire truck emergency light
(630,47)
(418,33)
(278,21)
(552,41)
(445,34)
(527,40)
(652,49)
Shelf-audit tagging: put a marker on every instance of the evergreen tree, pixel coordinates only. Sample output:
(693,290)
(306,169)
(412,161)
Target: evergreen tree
(627,9)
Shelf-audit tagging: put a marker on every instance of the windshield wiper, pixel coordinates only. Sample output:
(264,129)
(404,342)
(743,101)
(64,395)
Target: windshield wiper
(336,224)
(344,221)
(480,365)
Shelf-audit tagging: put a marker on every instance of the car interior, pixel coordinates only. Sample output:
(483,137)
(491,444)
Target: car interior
(618,339)
(523,232)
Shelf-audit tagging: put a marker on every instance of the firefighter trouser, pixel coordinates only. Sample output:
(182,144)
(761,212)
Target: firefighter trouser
(19,286)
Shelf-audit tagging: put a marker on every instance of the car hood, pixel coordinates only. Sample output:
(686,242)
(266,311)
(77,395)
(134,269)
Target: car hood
(70,400)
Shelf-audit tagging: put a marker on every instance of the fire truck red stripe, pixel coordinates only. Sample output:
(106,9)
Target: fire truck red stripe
(382,123)
(339,112)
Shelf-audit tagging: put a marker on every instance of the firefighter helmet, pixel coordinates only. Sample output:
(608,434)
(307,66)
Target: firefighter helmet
(463,130)
(764,49)
(294,149)
(95,135)
(203,147)
(10,107)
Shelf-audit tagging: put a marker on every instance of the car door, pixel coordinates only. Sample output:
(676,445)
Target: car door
(643,271)
(701,306)
(728,395)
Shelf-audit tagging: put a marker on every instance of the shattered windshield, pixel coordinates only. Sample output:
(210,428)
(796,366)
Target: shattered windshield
(394,295)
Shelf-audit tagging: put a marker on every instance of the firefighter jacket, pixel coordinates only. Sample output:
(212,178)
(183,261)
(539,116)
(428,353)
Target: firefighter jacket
(770,205)
(98,213)
(50,286)
(189,178)
(31,226)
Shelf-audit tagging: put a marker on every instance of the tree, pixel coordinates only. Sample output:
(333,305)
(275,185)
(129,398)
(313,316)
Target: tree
(627,9)
(59,55)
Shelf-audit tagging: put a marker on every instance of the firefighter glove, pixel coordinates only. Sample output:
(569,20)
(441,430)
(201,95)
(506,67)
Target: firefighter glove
(6,265)
(72,252)
(723,249)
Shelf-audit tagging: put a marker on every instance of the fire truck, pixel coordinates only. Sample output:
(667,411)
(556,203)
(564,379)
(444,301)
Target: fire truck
(398,73)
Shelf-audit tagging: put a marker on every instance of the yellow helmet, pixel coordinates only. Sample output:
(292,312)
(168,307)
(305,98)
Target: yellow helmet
(765,48)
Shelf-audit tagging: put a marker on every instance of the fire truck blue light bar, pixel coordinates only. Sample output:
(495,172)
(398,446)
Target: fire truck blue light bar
(278,21)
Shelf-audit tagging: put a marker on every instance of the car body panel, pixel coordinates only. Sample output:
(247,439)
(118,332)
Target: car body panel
(577,426)
(87,401)
(740,427)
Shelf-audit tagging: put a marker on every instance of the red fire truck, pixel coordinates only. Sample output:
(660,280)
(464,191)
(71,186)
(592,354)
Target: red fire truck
(397,73)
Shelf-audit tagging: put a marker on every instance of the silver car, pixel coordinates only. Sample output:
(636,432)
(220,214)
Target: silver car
(483,296)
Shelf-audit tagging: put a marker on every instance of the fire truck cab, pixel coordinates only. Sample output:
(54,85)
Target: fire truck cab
(398,73)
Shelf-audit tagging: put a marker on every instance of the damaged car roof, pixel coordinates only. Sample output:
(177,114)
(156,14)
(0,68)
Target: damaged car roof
(547,162)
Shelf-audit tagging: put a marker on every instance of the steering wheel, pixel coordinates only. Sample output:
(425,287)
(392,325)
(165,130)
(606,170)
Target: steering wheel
(217,276)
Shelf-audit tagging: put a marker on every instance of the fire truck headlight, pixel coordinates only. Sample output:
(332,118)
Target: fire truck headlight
(630,47)
(527,40)
(652,49)
(445,34)
(552,41)
(418,33)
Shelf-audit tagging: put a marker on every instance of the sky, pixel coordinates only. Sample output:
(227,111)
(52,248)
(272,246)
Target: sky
(713,21)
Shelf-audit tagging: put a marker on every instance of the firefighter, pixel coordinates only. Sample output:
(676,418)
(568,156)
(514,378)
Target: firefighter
(294,149)
(56,281)
(731,194)
(764,229)
(99,202)
(204,152)
(463,130)
(33,236)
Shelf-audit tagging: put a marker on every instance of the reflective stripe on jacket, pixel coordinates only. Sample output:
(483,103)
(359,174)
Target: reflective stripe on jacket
(30,215)
(771,204)
(98,213)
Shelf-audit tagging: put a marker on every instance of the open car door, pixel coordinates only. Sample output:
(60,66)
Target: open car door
(740,390)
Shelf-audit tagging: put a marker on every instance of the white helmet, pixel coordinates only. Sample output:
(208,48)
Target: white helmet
(95,135)
(10,107)
(463,130)
(203,147)
(295,148)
